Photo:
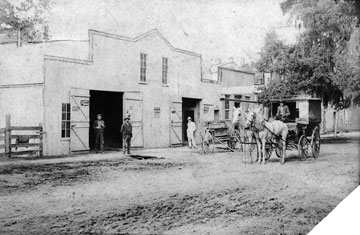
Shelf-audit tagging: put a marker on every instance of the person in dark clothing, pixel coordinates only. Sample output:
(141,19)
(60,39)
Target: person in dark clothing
(99,126)
(126,131)
(283,112)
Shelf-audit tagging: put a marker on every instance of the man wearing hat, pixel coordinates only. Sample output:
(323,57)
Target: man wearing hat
(126,131)
(283,112)
(191,133)
(99,126)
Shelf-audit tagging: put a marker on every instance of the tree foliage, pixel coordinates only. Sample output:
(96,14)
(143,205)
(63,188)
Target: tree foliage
(27,18)
(319,63)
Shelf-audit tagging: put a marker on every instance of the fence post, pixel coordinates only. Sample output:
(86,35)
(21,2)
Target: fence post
(8,136)
(41,141)
(336,126)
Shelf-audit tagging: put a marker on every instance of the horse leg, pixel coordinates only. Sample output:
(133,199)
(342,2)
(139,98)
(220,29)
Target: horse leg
(249,148)
(284,151)
(258,145)
(263,141)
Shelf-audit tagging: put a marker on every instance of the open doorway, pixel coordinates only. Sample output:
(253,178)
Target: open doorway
(110,105)
(294,111)
(191,108)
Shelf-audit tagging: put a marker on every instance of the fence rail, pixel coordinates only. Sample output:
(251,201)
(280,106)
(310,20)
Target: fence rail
(21,140)
(26,128)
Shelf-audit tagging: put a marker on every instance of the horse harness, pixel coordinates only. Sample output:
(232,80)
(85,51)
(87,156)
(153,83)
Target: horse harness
(262,123)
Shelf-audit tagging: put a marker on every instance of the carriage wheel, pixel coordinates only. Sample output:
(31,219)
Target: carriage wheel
(278,149)
(231,143)
(315,143)
(207,146)
(303,146)
(234,140)
(253,146)
(278,152)
(268,152)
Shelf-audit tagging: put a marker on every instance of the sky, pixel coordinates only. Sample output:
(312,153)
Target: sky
(213,28)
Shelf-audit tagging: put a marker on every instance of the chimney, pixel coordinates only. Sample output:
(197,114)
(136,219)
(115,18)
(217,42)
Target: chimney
(242,61)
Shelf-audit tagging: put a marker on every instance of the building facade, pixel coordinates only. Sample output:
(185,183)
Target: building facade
(146,78)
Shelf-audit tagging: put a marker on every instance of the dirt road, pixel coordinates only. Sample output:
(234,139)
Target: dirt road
(178,192)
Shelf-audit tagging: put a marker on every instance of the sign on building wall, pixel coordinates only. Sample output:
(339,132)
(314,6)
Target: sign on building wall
(206,109)
(84,102)
(157,112)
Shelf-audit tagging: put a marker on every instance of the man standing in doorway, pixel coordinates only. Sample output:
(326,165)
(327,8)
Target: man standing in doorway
(191,133)
(99,126)
(126,131)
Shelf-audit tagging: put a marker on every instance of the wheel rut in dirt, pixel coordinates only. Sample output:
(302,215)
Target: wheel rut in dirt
(72,173)
(180,210)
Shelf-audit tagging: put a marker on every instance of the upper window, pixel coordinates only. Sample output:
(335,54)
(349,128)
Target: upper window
(65,121)
(143,58)
(259,79)
(164,70)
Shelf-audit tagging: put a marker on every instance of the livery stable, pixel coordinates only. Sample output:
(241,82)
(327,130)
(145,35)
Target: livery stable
(64,87)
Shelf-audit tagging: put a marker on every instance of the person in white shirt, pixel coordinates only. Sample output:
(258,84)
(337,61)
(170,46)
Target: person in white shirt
(191,133)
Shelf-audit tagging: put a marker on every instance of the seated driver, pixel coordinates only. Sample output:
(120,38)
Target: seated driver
(283,112)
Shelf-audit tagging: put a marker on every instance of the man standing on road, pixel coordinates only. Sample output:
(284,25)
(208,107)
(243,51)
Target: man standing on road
(283,112)
(191,133)
(99,126)
(126,131)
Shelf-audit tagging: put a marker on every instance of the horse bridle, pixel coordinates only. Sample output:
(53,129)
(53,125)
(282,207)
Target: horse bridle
(252,123)
(253,128)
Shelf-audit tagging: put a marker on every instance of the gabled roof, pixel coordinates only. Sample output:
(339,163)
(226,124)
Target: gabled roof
(236,70)
(142,36)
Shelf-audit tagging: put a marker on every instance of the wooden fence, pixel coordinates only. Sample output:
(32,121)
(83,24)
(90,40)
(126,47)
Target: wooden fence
(16,140)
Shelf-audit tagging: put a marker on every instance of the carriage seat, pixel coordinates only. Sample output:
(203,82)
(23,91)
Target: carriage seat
(291,125)
(302,121)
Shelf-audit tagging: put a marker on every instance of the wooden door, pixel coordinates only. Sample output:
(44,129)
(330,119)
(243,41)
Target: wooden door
(79,120)
(133,107)
(176,124)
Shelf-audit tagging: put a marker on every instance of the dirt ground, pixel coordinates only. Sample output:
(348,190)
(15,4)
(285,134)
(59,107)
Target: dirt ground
(178,191)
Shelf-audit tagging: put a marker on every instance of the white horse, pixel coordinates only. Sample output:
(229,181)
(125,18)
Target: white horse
(246,135)
(267,131)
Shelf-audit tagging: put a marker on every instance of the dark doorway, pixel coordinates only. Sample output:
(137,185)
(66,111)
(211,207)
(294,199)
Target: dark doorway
(216,115)
(110,105)
(190,108)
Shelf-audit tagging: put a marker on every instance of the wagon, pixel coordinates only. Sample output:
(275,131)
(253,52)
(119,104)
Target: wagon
(219,134)
(303,124)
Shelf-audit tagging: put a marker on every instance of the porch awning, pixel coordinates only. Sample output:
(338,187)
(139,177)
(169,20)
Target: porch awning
(240,90)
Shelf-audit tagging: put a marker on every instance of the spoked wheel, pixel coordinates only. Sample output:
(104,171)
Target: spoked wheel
(231,144)
(279,149)
(207,143)
(278,152)
(303,146)
(315,143)
(234,142)
(268,152)
(251,146)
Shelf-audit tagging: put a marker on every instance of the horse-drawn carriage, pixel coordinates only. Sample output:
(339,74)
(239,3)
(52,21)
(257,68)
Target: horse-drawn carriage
(219,134)
(302,130)
(303,126)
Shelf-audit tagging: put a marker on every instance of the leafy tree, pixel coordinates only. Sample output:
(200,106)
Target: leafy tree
(318,64)
(27,18)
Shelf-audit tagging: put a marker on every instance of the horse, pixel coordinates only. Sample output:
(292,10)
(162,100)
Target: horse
(267,131)
(246,135)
